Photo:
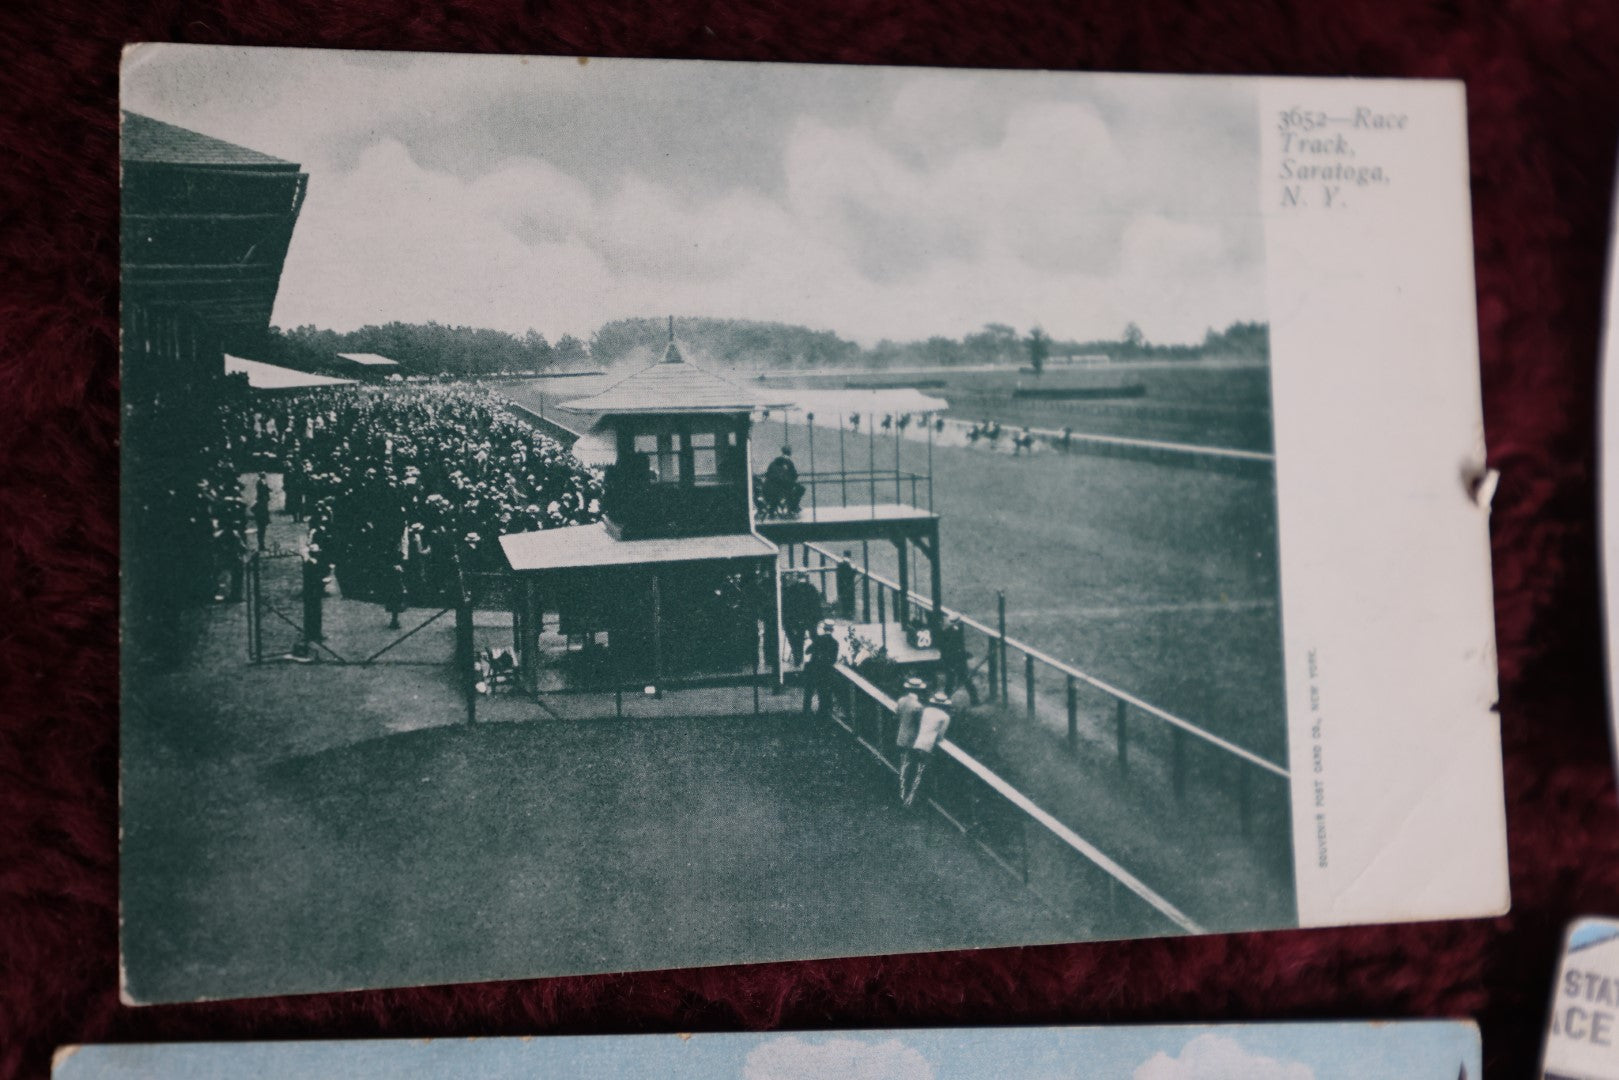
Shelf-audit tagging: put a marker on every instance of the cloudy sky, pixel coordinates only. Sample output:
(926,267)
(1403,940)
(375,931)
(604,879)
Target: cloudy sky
(875,202)
(1363,1051)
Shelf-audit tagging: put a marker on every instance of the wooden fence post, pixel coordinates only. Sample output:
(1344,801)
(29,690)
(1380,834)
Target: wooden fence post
(1073,715)
(994,670)
(865,582)
(1000,608)
(1028,684)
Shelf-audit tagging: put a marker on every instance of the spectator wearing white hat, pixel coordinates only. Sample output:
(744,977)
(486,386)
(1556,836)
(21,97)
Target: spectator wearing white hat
(908,711)
(935,721)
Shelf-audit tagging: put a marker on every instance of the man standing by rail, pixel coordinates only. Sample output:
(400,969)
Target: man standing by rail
(908,711)
(844,579)
(930,730)
(820,673)
(953,657)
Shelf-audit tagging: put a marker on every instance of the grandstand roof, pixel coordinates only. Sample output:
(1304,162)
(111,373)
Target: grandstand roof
(370,359)
(155,142)
(580,546)
(262,376)
(205,226)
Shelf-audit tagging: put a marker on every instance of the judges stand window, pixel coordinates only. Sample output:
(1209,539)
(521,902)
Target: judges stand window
(662,456)
(705,461)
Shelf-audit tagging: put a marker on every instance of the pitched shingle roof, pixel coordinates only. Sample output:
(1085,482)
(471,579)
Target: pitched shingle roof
(671,386)
(154,142)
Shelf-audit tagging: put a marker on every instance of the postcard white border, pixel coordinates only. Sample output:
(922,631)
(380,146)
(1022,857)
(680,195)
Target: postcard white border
(1383,514)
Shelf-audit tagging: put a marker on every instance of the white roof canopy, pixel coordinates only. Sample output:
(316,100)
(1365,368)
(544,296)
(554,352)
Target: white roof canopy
(262,376)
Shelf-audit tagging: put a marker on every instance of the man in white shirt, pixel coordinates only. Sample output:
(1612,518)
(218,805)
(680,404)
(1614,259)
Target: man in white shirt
(935,721)
(908,711)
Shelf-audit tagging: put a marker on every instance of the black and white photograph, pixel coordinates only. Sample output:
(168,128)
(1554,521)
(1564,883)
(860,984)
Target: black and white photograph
(589,516)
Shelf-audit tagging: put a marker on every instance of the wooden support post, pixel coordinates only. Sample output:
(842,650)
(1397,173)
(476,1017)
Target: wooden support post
(1000,615)
(936,583)
(528,655)
(882,615)
(1028,684)
(780,632)
(930,463)
(899,437)
(994,669)
(902,548)
(1120,715)
(809,433)
(871,464)
(657,636)
(843,465)
(865,582)
(1073,715)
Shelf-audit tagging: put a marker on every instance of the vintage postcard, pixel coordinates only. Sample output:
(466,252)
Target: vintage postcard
(1405,1050)
(1582,1035)
(590,515)
(1608,471)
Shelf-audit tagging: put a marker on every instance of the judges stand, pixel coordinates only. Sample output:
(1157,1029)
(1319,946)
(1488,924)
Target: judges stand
(683,577)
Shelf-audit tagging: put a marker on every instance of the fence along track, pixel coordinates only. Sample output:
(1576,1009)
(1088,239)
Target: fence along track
(1070,840)
(1110,690)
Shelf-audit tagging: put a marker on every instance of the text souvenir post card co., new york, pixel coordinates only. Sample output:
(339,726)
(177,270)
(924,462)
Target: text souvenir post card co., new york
(585,516)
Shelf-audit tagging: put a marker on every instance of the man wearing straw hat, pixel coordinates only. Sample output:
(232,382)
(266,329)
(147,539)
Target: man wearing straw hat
(908,711)
(931,728)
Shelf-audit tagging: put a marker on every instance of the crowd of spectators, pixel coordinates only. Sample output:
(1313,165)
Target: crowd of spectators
(398,482)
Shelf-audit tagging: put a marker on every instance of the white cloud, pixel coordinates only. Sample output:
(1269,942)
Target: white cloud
(792,1058)
(951,202)
(392,240)
(1219,1057)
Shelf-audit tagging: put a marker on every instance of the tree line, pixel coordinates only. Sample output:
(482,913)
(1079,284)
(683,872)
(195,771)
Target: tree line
(435,348)
(426,348)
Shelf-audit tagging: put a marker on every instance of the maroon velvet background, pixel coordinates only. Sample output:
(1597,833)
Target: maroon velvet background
(1544,102)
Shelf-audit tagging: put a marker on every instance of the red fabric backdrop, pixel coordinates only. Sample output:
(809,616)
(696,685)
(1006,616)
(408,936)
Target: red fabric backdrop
(1544,104)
